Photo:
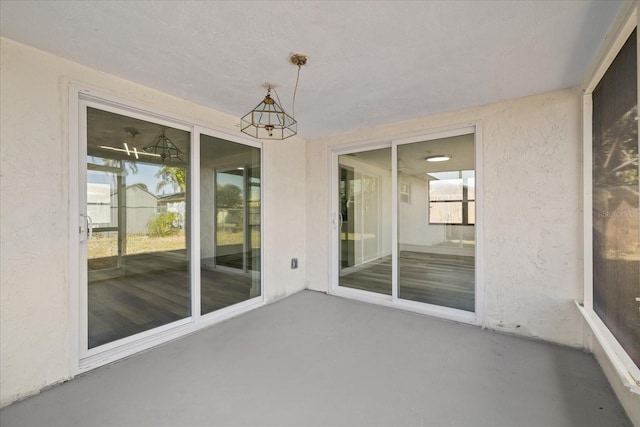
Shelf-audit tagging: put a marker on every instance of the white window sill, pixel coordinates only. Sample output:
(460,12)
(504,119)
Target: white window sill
(628,372)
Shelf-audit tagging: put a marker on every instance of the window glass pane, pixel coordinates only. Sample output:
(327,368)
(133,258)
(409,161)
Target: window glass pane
(436,242)
(138,264)
(230,198)
(470,183)
(445,213)
(616,219)
(446,189)
(365,214)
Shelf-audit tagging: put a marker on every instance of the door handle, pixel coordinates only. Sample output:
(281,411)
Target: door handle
(82,229)
(89,226)
(86,228)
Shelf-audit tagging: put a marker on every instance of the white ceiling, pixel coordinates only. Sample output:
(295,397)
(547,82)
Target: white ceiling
(371,63)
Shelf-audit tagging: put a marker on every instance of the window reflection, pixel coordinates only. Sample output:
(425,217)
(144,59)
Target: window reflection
(136,206)
(230,212)
(616,217)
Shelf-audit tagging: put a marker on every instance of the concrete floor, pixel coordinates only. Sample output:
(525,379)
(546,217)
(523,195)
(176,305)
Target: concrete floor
(313,359)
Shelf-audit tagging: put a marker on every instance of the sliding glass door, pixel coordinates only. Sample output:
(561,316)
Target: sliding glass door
(137,248)
(364,213)
(136,213)
(405,223)
(230,196)
(436,236)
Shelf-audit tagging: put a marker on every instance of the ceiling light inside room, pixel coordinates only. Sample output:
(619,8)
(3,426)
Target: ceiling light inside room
(438,158)
(268,120)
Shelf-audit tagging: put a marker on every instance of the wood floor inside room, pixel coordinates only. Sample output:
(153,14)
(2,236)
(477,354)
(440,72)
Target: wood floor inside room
(127,305)
(316,360)
(445,280)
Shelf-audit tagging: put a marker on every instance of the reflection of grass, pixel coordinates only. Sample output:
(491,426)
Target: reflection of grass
(237,238)
(102,263)
(103,245)
(229,238)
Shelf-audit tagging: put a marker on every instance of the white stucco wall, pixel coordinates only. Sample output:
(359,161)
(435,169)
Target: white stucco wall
(35,324)
(531,187)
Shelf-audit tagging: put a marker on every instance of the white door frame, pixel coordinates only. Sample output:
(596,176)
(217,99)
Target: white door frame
(475,318)
(81,358)
(334,256)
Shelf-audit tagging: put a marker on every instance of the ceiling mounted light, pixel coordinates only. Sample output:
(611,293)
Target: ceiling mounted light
(164,148)
(268,120)
(438,158)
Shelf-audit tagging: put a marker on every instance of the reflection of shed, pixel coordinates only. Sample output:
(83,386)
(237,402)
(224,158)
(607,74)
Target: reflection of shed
(102,207)
(141,205)
(174,203)
(99,204)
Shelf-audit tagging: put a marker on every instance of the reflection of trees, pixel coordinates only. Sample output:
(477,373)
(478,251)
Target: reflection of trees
(615,162)
(228,196)
(616,239)
(229,203)
(616,234)
(615,188)
(126,167)
(172,176)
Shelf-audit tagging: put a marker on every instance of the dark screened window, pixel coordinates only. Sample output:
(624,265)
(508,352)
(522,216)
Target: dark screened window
(616,219)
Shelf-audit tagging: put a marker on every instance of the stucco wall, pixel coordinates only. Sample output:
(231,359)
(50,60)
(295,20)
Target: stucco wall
(35,324)
(531,188)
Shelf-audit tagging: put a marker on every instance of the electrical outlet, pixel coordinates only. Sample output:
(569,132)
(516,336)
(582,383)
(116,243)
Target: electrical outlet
(294,263)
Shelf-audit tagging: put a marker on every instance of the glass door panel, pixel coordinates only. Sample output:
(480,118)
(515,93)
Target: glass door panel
(137,212)
(103,248)
(254,215)
(230,220)
(436,217)
(364,184)
(230,212)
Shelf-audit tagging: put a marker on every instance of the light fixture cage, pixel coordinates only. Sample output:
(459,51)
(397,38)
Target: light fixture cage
(268,121)
(164,148)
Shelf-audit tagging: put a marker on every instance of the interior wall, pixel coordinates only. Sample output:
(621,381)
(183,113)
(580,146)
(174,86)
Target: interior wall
(35,323)
(530,188)
(413,215)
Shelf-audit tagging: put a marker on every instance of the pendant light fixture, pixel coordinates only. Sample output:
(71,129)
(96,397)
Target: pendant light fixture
(268,120)
(164,148)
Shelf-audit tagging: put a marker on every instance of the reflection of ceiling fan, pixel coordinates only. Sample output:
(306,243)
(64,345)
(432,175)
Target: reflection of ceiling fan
(133,150)
(133,132)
